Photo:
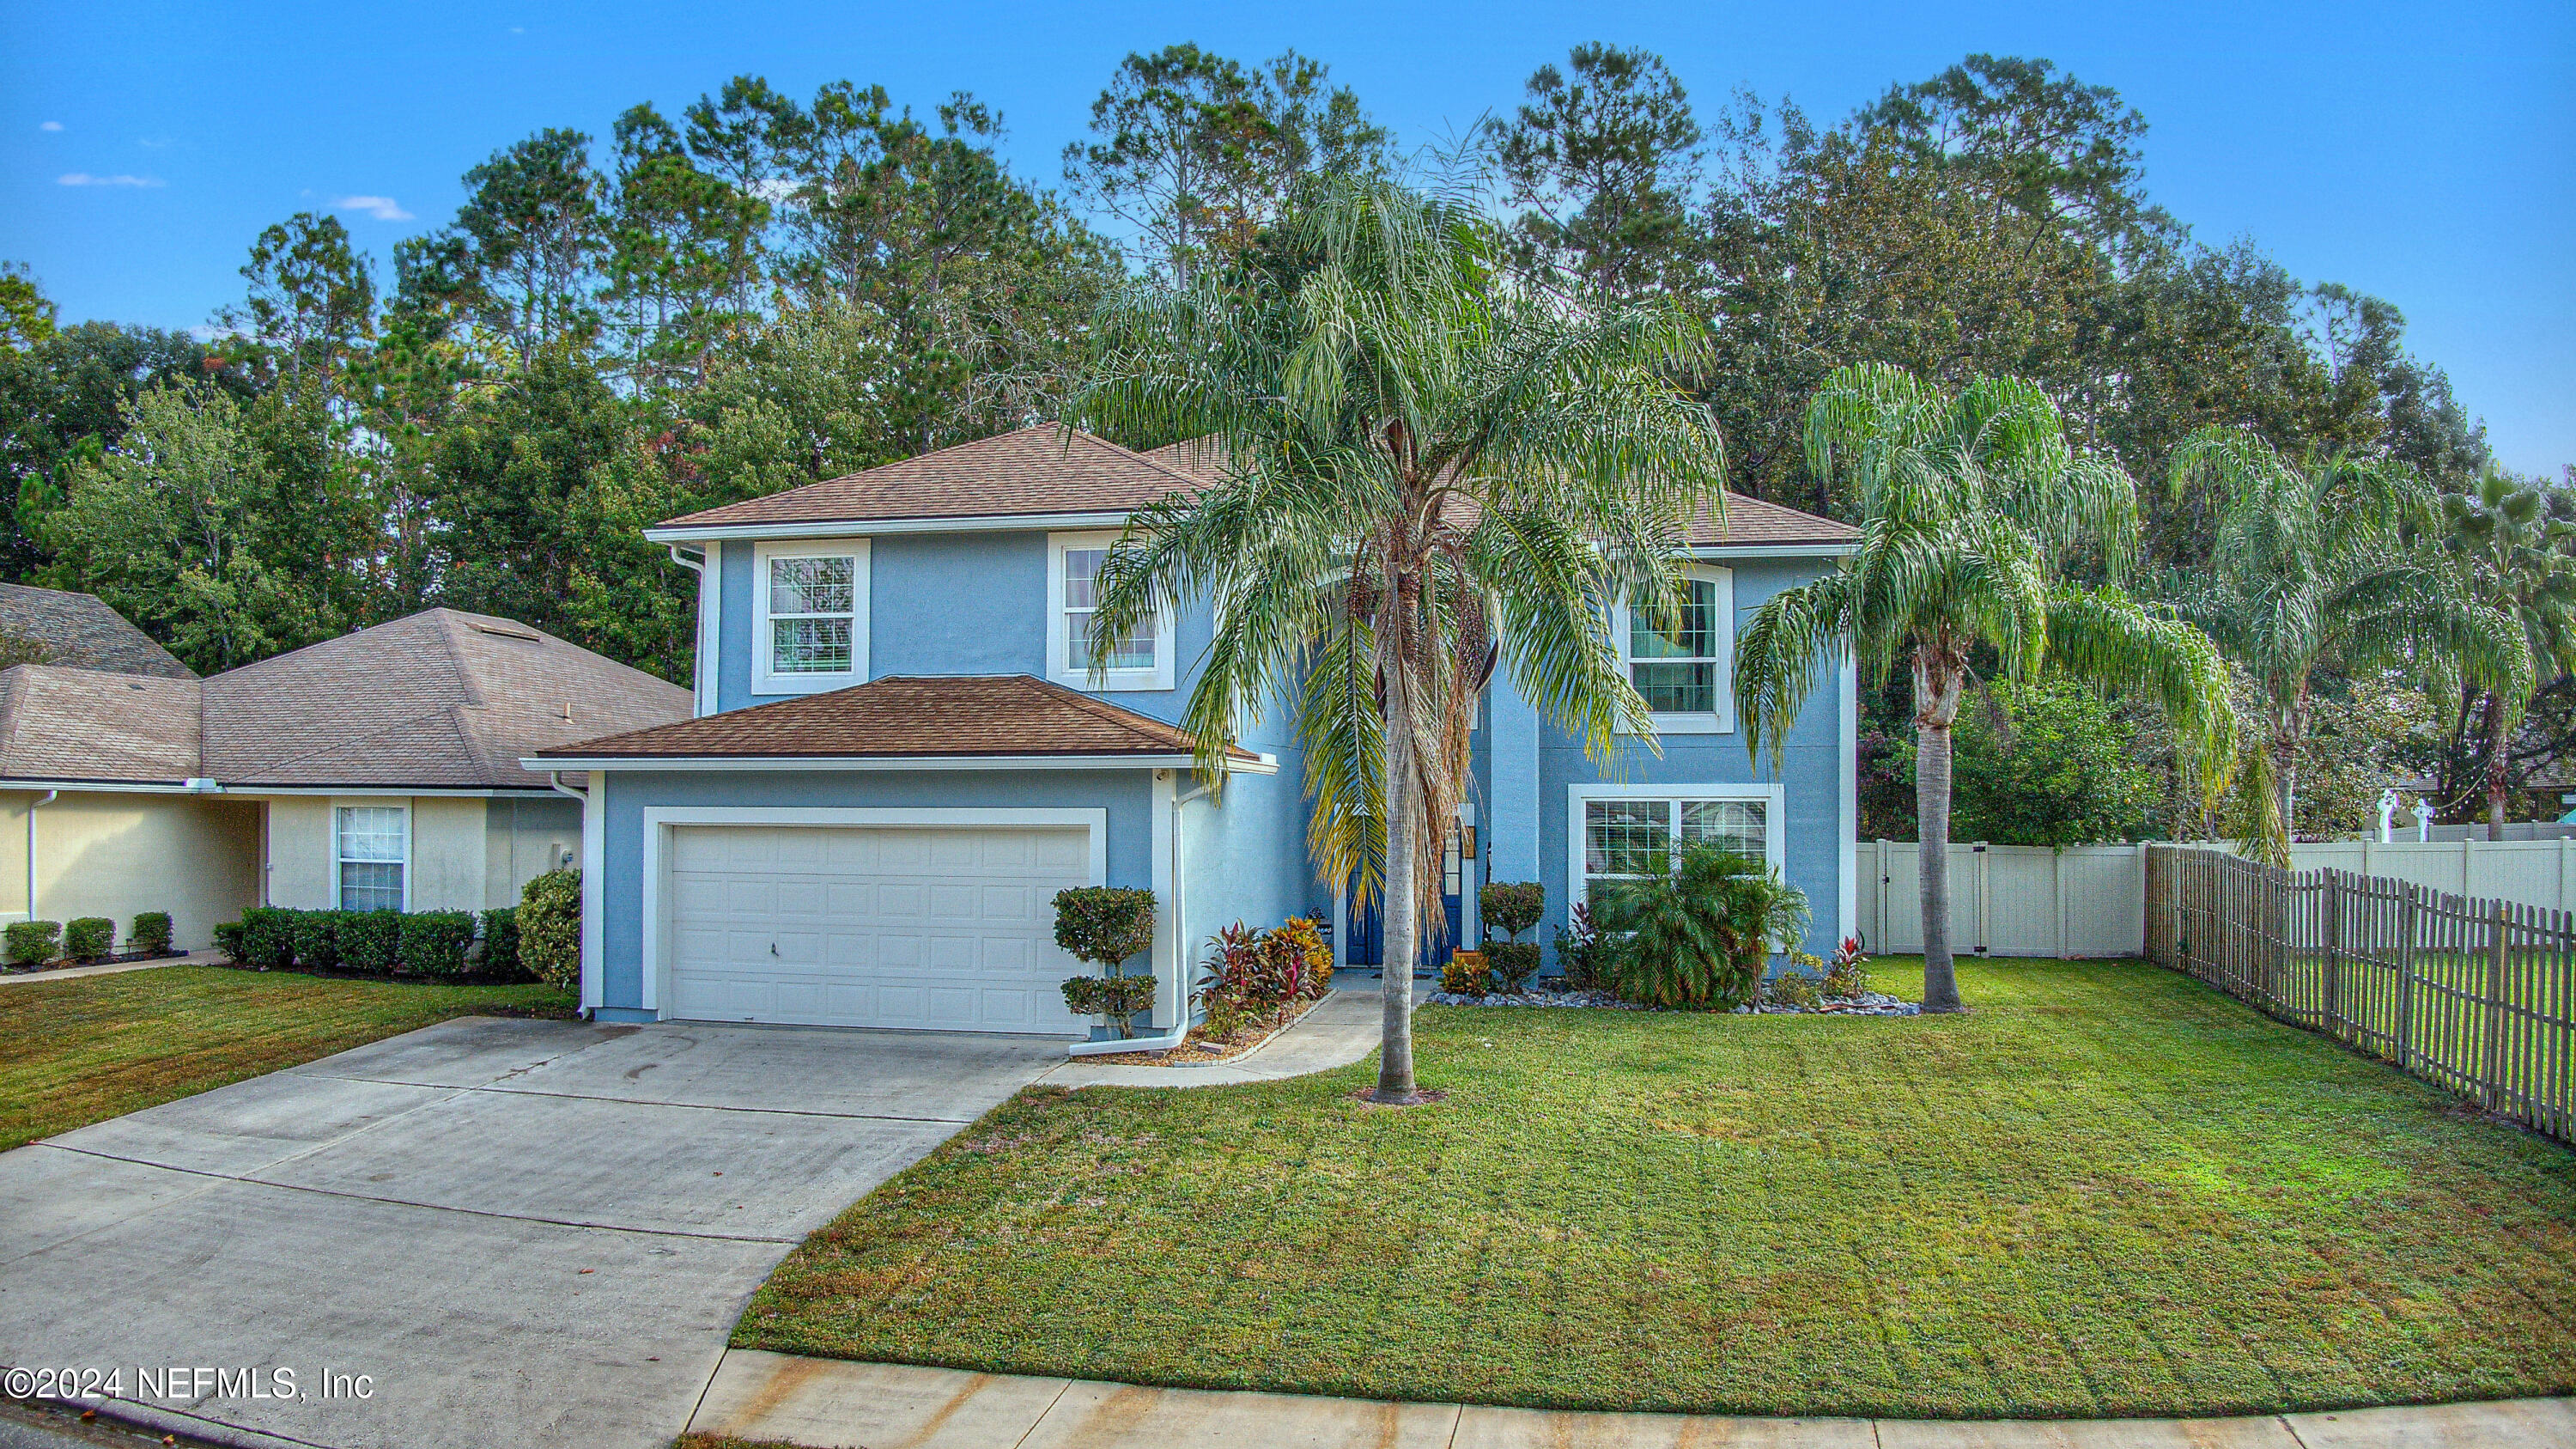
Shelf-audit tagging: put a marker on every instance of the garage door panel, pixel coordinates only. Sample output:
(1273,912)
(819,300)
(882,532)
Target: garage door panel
(944,929)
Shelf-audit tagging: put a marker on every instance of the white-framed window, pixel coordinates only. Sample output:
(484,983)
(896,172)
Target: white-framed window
(1142,659)
(371,857)
(1620,831)
(1680,654)
(810,615)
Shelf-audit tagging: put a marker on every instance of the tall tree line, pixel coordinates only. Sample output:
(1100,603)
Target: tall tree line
(756,290)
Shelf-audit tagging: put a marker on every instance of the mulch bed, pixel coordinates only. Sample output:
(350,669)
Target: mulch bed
(1198,1049)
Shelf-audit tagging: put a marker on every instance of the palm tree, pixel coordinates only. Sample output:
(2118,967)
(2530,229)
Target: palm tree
(1427,471)
(2321,567)
(2512,550)
(1973,509)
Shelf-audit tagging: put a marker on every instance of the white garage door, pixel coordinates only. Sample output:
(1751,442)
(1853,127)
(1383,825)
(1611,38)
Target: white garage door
(938,929)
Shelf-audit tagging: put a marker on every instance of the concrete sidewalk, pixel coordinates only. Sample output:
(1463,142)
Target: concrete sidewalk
(111,968)
(1341,1029)
(830,1404)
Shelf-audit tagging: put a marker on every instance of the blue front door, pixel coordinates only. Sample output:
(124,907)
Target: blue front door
(1367,924)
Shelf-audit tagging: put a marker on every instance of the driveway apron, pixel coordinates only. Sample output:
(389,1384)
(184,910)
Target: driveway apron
(485,1232)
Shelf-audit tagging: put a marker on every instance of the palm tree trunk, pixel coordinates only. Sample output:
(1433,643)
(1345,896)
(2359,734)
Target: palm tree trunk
(2498,774)
(2285,769)
(1937,681)
(1401,936)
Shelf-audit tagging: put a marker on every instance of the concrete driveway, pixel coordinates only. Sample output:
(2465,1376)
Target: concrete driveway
(519,1232)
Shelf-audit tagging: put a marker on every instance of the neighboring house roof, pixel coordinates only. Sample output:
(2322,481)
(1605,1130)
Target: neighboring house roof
(79,631)
(1042,470)
(1052,469)
(439,700)
(89,724)
(908,717)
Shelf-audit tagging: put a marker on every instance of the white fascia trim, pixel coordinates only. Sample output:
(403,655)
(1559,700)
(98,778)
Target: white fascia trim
(1722,720)
(1775,823)
(1775,550)
(257,792)
(846,527)
(1061,666)
(1266,764)
(659,820)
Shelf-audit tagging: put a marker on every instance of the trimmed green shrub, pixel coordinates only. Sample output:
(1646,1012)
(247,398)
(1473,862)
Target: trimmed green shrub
(228,939)
(265,938)
(316,935)
(1511,906)
(1511,964)
(549,921)
(1115,997)
(433,943)
(501,945)
(89,938)
(1104,925)
(370,941)
(150,932)
(30,943)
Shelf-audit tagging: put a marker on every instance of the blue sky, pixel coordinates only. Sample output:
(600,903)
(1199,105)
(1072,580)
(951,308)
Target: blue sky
(2423,153)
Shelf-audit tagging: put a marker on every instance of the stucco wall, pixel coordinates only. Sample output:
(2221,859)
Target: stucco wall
(468,853)
(113,854)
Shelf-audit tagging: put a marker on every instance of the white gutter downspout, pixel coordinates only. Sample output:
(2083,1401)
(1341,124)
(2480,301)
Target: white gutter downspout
(32,807)
(555,779)
(1179,1030)
(698,687)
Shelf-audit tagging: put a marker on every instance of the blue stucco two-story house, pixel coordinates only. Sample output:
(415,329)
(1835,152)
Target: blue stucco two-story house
(899,756)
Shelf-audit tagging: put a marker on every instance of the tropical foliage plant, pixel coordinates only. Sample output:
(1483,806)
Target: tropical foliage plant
(1697,932)
(1977,518)
(1428,473)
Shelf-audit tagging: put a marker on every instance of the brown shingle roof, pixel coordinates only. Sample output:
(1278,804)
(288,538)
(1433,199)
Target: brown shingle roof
(1055,469)
(907,716)
(439,700)
(89,724)
(79,631)
(1046,469)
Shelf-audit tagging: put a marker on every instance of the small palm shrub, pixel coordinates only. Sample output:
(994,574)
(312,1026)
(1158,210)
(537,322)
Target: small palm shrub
(549,921)
(30,943)
(89,938)
(150,933)
(1697,934)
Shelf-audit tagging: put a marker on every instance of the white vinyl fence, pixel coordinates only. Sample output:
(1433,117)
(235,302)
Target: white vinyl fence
(2090,900)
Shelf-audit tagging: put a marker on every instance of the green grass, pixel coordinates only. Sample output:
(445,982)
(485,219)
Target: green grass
(2108,1190)
(95,1047)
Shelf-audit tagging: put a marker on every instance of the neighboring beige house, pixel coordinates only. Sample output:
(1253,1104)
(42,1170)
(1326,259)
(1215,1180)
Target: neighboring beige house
(79,631)
(377,769)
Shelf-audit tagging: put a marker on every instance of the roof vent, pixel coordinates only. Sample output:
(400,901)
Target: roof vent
(506,633)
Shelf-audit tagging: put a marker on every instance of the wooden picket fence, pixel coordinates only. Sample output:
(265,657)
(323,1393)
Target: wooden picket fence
(2478,996)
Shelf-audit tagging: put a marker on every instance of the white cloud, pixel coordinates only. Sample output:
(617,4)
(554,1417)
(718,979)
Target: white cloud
(382,208)
(51,126)
(83,178)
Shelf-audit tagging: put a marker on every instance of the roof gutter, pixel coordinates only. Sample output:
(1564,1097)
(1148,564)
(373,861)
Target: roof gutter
(854,527)
(1263,764)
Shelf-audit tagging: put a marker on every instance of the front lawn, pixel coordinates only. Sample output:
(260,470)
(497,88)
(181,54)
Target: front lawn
(94,1047)
(2106,1191)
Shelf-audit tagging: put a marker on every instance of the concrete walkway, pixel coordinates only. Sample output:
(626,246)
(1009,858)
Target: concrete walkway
(74,973)
(1341,1029)
(821,1402)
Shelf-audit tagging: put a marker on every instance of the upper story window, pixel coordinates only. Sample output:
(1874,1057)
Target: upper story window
(811,629)
(1680,653)
(1139,659)
(372,856)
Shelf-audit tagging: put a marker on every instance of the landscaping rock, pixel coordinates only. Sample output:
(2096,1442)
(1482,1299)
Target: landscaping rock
(1868,1003)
